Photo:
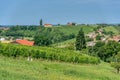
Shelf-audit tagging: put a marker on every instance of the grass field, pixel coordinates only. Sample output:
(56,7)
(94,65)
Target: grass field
(21,69)
(64,43)
(75,29)
(113,29)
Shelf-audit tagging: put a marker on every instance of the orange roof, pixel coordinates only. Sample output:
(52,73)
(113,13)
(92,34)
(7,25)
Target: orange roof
(115,38)
(25,42)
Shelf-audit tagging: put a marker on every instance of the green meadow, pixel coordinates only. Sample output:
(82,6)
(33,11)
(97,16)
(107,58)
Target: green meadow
(75,29)
(21,69)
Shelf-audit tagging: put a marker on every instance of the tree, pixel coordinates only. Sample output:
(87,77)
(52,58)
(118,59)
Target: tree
(105,51)
(41,22)
(73,24)
(0,32)
(97,49)
(80,40)
(116,63)
(47,36)
(111,33)
(98,37)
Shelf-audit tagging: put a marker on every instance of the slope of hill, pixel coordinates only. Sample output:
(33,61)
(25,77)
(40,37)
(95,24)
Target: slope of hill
(75,29)
(112,29)
(117,28)
(64,44)
(21,69)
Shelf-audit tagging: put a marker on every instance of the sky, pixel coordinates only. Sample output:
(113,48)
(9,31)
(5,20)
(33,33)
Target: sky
(29,12)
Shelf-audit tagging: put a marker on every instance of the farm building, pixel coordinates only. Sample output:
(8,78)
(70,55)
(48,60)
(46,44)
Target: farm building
(48,25)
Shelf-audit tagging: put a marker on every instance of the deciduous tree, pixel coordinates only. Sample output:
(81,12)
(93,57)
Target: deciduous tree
(116,64)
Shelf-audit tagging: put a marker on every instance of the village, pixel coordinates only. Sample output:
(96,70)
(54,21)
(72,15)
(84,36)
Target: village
(98,34)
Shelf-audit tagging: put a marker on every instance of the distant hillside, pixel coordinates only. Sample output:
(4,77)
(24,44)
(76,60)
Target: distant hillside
(87,29)
(118,29)
(65,44)
(115,30)
(75,29)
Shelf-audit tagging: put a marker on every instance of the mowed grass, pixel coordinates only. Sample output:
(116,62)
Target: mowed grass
(21,69)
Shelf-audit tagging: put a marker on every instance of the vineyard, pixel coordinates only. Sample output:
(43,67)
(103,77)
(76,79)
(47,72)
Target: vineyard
(49,53)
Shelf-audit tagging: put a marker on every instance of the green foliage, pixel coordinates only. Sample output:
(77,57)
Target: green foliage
(41,22)
(68,44)
(98,37)
(47,36)
(88,39)
(30,31)
(75,29)
(80,41)
(111,30)
(11,50)
(1,32)
(105,51)
(116,63)
(21,31)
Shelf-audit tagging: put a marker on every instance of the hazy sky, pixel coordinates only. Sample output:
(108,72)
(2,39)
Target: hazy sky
(29,12)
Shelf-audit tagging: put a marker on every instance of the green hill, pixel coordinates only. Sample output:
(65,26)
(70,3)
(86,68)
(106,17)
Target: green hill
(67,43)
(112,29)
(75,29)
(21,69)
(87,30)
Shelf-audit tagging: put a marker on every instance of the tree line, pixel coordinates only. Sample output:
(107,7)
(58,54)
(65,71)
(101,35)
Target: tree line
(47,36)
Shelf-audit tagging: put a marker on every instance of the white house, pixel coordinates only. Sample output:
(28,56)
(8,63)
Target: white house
(2,39)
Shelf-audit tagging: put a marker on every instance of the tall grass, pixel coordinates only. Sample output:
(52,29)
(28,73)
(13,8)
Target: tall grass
(21,69)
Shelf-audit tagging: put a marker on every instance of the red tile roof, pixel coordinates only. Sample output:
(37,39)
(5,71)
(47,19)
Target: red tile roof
(25,42)
(47,25)
(115,38)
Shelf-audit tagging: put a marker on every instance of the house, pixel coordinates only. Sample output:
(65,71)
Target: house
(100,31)
(2,39)
(48,25)
(92,35)
(4,28)
(115,38)
(103,39)
(91,43)
(24,42)
(71,24)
